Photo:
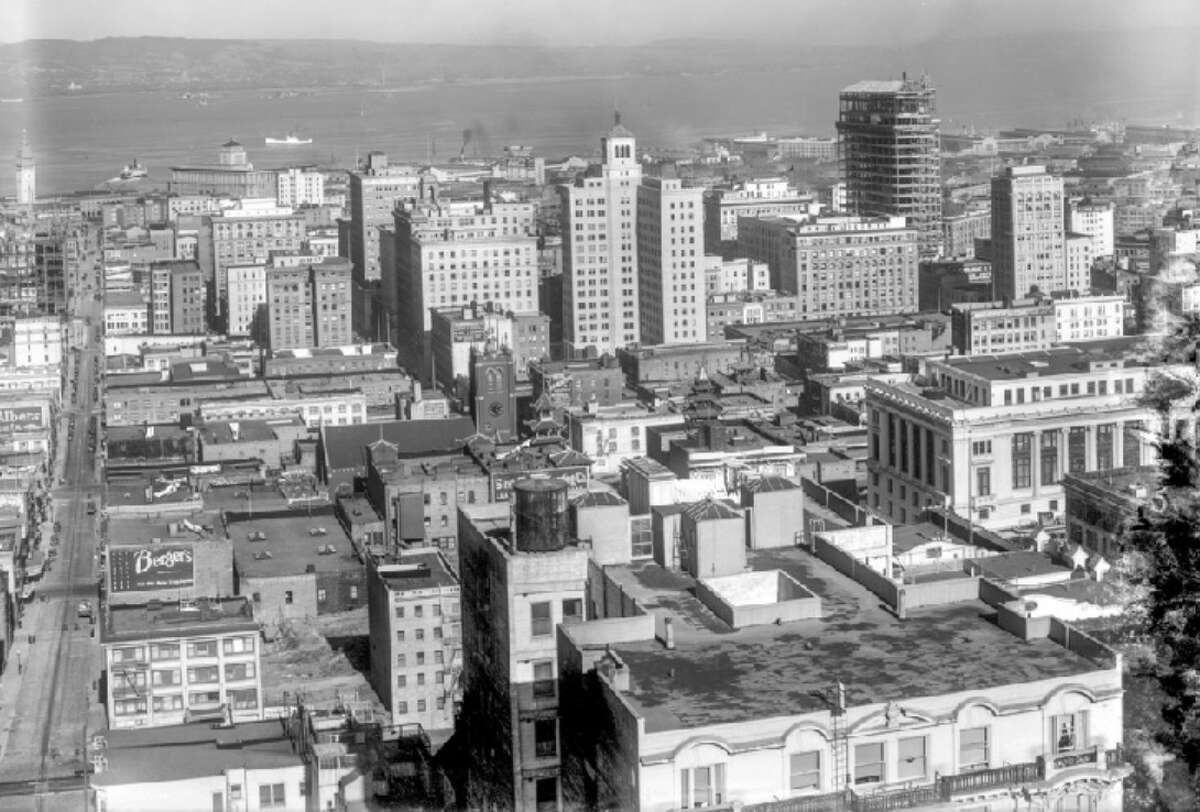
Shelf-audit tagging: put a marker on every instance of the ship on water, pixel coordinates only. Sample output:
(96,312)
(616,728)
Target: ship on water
(291,140)
(131,172)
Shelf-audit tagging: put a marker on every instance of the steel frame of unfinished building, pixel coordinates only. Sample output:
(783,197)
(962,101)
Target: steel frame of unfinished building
(889,144)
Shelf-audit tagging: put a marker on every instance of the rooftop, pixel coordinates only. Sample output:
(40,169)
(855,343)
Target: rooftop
(1127,483)
(345,446)
(416,571)
(160,754)
(717,675)
(154,621)
(123,299)
(1068,360)
(291,542)
(1024,564)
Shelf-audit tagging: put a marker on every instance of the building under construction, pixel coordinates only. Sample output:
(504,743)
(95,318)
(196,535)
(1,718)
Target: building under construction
(889,152)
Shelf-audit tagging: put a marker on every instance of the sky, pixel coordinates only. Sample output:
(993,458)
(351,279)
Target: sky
(583,22)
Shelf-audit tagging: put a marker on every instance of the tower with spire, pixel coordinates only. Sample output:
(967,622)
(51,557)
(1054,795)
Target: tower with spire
(26,173)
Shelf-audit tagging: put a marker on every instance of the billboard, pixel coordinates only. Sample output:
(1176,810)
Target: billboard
(21,418)
(160,566)
(576,477)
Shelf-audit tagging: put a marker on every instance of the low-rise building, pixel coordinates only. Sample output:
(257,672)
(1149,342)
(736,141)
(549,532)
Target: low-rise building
(758,307)
(295,565)
(328,360)
(680,362)
(416,639)
(250,766)
(1101,506)
(172,663)
(166,561)
(126,314)
(734,275)
(575,384)
(609,435)
(457,331)
(273,441)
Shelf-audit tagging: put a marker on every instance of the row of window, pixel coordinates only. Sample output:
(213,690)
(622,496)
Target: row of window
(171,651)
(907,759)
(246,699)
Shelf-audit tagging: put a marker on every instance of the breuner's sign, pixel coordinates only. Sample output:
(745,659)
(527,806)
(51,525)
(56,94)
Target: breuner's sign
(156,566)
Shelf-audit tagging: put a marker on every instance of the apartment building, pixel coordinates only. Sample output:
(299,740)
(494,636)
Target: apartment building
(416,639)
(1094,218)
(756,197)
(458,253)
(309,306)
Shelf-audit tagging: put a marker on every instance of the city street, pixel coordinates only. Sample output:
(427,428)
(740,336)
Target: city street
(46,694)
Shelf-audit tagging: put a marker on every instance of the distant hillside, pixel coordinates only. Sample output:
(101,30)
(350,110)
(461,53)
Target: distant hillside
(1092,70)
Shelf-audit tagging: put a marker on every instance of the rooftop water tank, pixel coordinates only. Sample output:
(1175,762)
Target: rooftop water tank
(540,506)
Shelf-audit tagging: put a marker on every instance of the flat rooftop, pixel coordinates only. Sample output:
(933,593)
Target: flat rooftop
(174,753)
(248,431)
(292,541)
(1069,360)
(1024,564)
(416,571)
(716,674)
(145,622)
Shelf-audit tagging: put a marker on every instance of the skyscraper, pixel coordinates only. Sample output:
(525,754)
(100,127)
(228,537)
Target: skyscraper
(600,277)
(1028,240)
(26,173)
(670,241)
(309,306)
(890,148)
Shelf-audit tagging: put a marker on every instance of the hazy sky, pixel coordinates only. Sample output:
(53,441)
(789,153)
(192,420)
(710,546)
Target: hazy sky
(581,22)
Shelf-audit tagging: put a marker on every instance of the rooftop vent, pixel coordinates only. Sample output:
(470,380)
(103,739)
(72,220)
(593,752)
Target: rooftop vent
(326,549)
(262,555)
(318,531)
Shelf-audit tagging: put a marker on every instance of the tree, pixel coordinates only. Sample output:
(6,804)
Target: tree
(1167,541)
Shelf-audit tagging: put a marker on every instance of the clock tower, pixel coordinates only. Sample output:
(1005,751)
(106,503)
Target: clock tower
(493,394)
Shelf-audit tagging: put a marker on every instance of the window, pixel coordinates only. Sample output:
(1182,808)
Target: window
(1049,458)
(164,651)
(983,481)
(320,596)
(271,796)
(1069,731)
(420,706)
(164,703)
(545,737)
(910,758)
(572,609)
(868,763)
(545,792)
(973,749)
(805,770)
(244,699)
(1077,449)
(981,448)
(1104,446)
(702,786)
(542,623)
(238,645)
(544,684)
(208,673)
(238,671)
(1022,460)
(287,597)
(418,611)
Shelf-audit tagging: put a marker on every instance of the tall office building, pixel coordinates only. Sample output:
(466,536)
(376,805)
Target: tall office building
(309,306)
(670,251)
(178,300)
(458,252)
(890,154)
(26,173)
(247,295)
(1028,239)
(600,279)
(374,190)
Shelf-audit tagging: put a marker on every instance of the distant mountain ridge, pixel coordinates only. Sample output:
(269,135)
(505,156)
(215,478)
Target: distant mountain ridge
(1097,70)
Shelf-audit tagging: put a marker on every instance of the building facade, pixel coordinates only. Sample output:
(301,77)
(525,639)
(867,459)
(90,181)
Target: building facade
(757,197)
(171,664)
(1094,218)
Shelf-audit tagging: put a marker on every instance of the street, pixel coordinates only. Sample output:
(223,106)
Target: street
(46,694)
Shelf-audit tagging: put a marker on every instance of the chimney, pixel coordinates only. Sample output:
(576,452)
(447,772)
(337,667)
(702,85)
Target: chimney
(487,194)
